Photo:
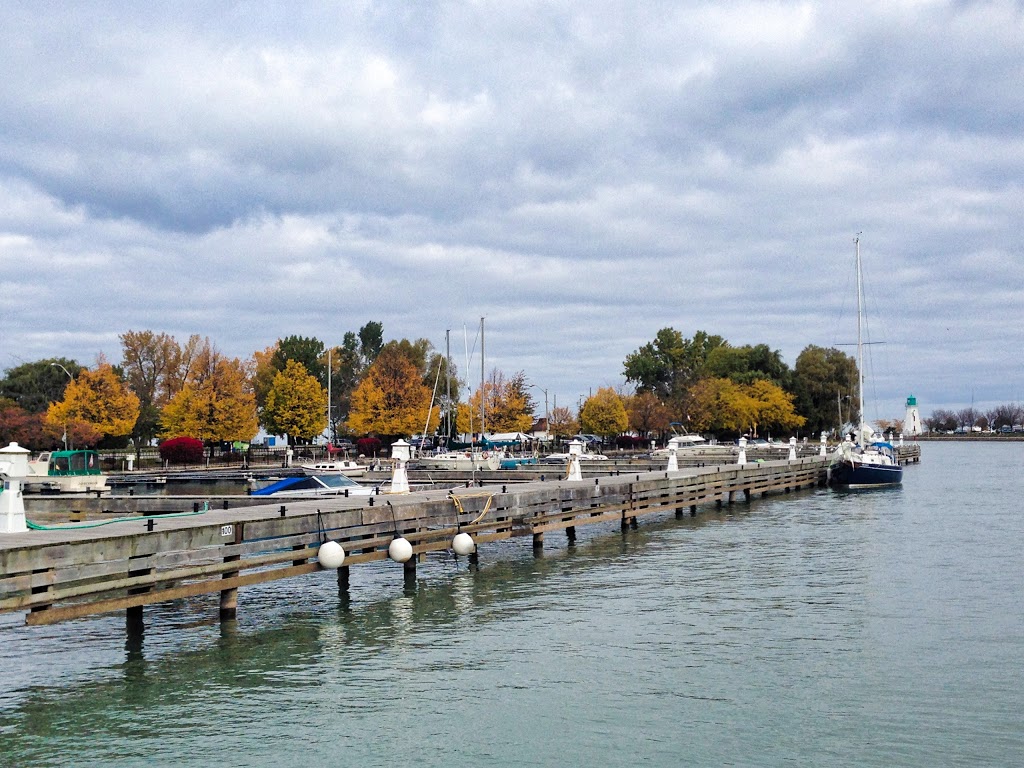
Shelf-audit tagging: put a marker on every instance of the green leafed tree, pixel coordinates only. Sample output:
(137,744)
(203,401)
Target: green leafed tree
(669,365)
(308,351)
(825,384)
(33,386)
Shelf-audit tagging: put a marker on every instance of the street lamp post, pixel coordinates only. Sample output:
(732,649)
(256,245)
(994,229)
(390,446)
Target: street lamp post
(547,416)
(72,378)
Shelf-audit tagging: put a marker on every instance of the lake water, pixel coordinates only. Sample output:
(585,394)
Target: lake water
(881,628)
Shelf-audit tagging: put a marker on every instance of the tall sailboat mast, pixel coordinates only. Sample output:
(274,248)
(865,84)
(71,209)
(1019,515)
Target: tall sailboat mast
(483,419)
(447,386)
(860,340)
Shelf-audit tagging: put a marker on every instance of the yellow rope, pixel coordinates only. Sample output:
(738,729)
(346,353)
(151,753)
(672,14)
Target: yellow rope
(460,511)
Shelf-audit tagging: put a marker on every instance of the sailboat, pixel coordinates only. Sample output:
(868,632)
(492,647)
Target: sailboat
(868,462)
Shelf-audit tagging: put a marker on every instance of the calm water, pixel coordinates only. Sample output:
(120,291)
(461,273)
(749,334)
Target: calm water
(881,628)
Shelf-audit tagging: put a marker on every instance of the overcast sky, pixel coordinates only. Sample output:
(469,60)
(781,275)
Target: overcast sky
(580,174)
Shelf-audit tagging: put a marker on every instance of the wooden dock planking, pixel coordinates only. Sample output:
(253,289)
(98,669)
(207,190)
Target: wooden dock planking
(58,575)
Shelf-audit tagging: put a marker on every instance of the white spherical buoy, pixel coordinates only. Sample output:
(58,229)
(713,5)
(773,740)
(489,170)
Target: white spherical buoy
(400,550)
(330,555)
(463,544)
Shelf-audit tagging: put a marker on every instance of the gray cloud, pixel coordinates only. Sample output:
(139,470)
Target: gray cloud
(580,176)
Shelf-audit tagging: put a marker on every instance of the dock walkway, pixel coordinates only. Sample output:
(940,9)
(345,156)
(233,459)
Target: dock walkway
(65,573)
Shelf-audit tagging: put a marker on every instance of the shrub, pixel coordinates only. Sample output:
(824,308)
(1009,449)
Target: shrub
(368,446)
(182,450)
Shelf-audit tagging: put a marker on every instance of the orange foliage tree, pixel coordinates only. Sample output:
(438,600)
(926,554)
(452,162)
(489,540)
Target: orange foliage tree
(392,398)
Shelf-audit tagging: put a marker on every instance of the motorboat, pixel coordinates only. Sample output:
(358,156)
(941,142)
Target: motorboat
(461,460)
(346,467)
(679,443)
(316,485)
(75,471)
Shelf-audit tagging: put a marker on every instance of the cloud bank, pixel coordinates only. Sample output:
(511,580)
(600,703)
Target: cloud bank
(581,177)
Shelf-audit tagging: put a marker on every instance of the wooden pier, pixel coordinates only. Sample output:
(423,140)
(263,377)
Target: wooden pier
(56,574)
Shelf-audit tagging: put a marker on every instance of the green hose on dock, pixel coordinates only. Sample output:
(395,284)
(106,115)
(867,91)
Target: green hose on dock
(98,523)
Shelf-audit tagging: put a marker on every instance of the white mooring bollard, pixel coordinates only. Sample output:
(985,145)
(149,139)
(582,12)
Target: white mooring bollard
(13,471)
(575,451)
(742,459)
(401,451)
(673,461)
(822,451)
(792,449)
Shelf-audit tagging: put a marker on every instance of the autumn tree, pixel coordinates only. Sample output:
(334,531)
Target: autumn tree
(151,363)
(562,423)
(216,404)
(604,414)
(296,404)
(773,407)
(98,400)
(263,373)
(722,405)
(20,426)
(647,413)
(508,406)
(392,398)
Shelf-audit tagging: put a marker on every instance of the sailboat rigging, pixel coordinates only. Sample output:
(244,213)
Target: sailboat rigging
(868,462)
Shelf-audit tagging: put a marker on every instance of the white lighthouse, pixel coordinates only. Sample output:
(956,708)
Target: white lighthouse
(912,421)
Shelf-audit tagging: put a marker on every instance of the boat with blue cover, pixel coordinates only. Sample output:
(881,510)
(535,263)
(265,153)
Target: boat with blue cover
(316,485)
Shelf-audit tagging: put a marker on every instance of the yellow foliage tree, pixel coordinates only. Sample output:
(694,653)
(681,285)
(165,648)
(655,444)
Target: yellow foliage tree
(723,405)
(392,398)
(99,400)
(296,403)
(604,414)
(773,407)
(216,404)
(508,406)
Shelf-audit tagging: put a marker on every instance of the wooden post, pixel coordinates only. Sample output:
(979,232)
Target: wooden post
(538,540)
(229,597)
(570,533)
(133,615)
(409,575)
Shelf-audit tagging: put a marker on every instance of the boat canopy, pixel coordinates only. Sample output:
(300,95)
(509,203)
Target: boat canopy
(73,463)
(507,439)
